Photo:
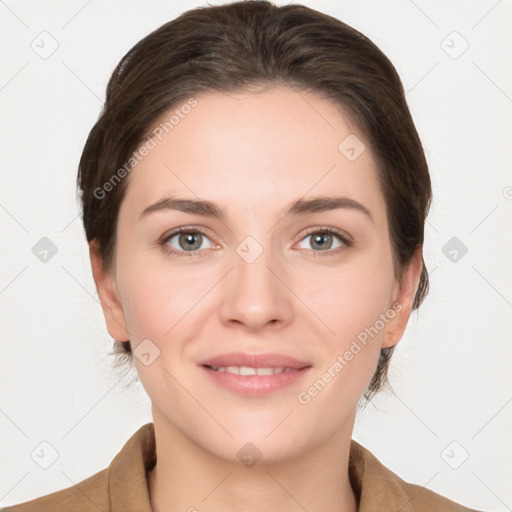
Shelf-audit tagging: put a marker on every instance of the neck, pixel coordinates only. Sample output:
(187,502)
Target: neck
(188,478)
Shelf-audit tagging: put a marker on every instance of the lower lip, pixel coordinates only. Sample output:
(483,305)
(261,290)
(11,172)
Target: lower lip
(255,385)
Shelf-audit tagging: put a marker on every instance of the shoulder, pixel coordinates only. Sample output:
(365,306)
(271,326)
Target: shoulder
(422,499)
(378,488)
(90,494)
(120,486)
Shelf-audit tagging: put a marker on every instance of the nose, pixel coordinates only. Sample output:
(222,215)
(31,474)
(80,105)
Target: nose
(255,295)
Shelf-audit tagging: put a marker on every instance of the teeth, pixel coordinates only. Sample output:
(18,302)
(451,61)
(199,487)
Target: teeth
(247,370)
(266,371)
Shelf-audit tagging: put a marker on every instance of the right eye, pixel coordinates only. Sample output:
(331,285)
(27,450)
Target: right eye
(185,242)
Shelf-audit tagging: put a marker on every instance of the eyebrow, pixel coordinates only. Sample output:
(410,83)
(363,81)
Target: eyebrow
(298,207)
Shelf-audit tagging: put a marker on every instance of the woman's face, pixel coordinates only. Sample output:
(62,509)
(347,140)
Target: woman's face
(297,274)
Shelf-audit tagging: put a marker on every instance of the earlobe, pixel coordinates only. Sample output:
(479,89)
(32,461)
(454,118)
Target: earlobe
(404,298)
(105,285)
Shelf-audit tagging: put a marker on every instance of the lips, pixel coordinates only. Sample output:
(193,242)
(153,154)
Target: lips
(241,360)
(255,375)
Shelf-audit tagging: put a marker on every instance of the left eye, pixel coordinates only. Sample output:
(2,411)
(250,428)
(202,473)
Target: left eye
(324,240)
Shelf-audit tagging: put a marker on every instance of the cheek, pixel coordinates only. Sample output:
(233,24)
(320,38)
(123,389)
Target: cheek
(353,298)
(159,297)
(349,355)
(147,294)
(352,304)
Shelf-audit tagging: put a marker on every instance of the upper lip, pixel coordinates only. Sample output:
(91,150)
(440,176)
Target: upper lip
(255,361)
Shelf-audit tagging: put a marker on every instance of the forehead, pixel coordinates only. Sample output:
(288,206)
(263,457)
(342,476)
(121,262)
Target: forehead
(253,150)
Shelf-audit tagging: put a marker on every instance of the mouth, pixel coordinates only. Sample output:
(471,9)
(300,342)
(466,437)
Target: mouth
(255,375)
(249,370)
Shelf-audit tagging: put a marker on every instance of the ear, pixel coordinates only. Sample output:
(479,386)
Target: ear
(106,286)
(403,297)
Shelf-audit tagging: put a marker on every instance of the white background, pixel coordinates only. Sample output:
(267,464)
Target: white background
(450,373)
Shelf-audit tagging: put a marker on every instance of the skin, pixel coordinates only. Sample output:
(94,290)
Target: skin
(254,153)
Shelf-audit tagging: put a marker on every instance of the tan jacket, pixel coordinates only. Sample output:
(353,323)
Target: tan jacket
(123,486)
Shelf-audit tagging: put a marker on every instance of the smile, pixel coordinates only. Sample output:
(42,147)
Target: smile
(249,381)
(248,370)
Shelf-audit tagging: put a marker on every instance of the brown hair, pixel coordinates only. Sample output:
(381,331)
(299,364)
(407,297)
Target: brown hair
(235,47)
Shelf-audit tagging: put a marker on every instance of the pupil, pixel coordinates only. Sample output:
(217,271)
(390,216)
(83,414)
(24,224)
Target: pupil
(189,239)
(322,240)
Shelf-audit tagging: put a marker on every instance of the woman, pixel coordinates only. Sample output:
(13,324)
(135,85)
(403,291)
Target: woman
(254,197)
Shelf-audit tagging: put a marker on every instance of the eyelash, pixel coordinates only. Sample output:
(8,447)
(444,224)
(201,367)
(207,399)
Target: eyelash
(347,241)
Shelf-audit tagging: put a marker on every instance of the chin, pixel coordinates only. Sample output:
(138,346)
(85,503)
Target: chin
(269,439)
(252,451)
